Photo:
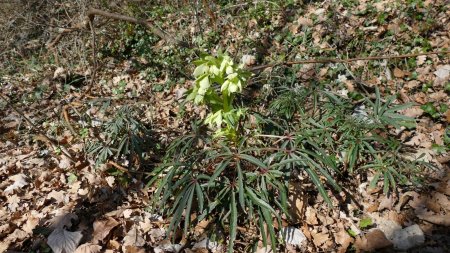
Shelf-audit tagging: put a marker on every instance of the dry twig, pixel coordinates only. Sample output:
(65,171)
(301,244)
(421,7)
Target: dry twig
(93,12)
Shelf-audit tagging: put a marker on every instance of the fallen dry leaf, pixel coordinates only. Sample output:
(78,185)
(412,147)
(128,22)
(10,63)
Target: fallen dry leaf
(421,59)
(293,236)
(20,180)
(4,245)
(59,196)
(311,216)
(372,241)
(62,220)
(398,73)
(443,220)
(133,249)
(103,227)
(413,111)
(61,240)
(386,203)
(408,237)
(17,235)
(320,238)
(30,224)
(442,71)
(13,202)
(133,238)
(88,248)
(344,239)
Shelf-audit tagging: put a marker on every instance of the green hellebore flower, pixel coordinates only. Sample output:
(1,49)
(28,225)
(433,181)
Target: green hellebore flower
(214,118)
(203,85)
(214,70)
(200,70)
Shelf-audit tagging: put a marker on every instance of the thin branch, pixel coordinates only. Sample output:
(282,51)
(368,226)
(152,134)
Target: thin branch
(92,12)
(335,60)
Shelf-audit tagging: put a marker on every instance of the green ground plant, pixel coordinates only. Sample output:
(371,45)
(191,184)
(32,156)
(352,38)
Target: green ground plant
(235,166)
(123,138)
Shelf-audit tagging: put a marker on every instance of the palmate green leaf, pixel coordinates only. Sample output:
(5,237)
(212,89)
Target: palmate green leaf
(398,120)
(352,156)
(393,184)
(323,172)
(385,182)
(400,107)
(283,193)
(241,188)
(217,201)
(376,107)
(316,180)
(374,180)
(256,200)
(269,223)
(187,216)
(177,215)
(200,197)
(262,229)
(253,160)
(233,221)
(178,197)
(386,104)
(219,169)
(119,149)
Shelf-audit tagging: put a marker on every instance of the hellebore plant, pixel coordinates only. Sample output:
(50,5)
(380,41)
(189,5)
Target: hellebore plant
(211,74)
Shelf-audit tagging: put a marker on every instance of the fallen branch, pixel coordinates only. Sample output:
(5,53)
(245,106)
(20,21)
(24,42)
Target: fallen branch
(93,12)
(335,60)
(119,167)
(65,116)
(63,31)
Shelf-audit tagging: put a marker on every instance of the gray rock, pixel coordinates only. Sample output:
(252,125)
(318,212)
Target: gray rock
(293,236)
(408,237)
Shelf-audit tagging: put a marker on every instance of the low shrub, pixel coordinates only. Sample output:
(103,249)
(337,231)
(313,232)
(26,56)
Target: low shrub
(234,168)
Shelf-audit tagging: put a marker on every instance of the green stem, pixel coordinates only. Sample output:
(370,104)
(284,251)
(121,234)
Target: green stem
(226,102)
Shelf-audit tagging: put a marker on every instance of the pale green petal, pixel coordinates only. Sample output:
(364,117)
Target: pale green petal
(200,70)
(219,119)
(233,88)
(232,76)
(225,85)
(198,99)
(239,85)
(230,70)
(204,83)
(223,65)
(214,70)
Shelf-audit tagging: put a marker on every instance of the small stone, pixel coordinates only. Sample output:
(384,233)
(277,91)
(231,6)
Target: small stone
(408,237)
(293,236)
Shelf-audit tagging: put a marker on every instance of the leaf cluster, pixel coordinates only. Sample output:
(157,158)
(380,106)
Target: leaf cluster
(122,137)
(308,132)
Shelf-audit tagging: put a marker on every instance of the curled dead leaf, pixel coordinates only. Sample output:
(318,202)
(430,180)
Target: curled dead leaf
(372,241)
(398,73)
(88,248)
(103,227)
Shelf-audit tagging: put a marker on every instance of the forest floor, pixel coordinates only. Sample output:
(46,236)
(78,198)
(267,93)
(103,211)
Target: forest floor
(49,201)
